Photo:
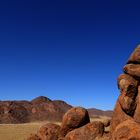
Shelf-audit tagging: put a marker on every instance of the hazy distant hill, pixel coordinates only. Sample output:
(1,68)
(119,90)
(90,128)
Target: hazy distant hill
(98,112)
(39,109)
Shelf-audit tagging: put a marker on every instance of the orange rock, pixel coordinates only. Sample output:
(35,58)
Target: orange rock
(125,123)
(127,104)
(137,111)
(88,132)
(74,118)
(133,70)
(118,117)
(128,85)
(49,131)
(128,130)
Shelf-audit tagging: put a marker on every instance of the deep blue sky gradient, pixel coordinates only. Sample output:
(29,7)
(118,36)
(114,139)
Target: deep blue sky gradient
(69,50)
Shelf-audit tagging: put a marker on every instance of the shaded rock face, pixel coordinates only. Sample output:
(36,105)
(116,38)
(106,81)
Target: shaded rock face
(87,132)
(125,123)
(39,109)
(74,118)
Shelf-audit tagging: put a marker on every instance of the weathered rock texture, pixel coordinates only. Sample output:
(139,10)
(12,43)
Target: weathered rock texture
(74,118)
(125,123)
(90,131)
(49,132)
(127,130)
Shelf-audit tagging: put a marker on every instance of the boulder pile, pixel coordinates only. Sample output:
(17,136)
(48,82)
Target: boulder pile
(125,124)
(75,125)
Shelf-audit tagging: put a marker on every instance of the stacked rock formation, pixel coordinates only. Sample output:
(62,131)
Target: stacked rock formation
(75,126)
(125,124)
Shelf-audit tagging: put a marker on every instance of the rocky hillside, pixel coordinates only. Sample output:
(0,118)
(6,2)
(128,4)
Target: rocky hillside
(38,109)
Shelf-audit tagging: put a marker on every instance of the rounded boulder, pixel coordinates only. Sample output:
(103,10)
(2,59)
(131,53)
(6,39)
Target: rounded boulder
(74,118)
(128,130)
(49,131)
(90,131)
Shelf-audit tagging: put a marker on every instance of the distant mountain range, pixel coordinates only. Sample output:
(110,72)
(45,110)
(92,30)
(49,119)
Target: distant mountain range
(38,109)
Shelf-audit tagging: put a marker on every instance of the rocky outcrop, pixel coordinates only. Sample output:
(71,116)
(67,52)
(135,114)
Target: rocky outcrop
(125,123)
(75,126)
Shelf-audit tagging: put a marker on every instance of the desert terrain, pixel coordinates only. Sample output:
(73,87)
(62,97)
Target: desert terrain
(21,131)
(14,126)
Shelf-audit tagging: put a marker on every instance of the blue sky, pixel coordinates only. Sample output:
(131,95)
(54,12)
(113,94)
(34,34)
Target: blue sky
(68,50)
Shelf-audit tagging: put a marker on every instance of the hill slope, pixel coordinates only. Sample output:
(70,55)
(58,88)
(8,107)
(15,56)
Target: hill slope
(38,109)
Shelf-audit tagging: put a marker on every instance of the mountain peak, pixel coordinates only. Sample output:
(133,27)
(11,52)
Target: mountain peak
(40,99)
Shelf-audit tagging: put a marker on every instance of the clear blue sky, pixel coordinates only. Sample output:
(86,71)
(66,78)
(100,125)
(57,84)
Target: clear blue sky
(69,50)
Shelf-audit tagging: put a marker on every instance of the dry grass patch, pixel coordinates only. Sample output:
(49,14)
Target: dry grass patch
(19,131)
(99,118)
